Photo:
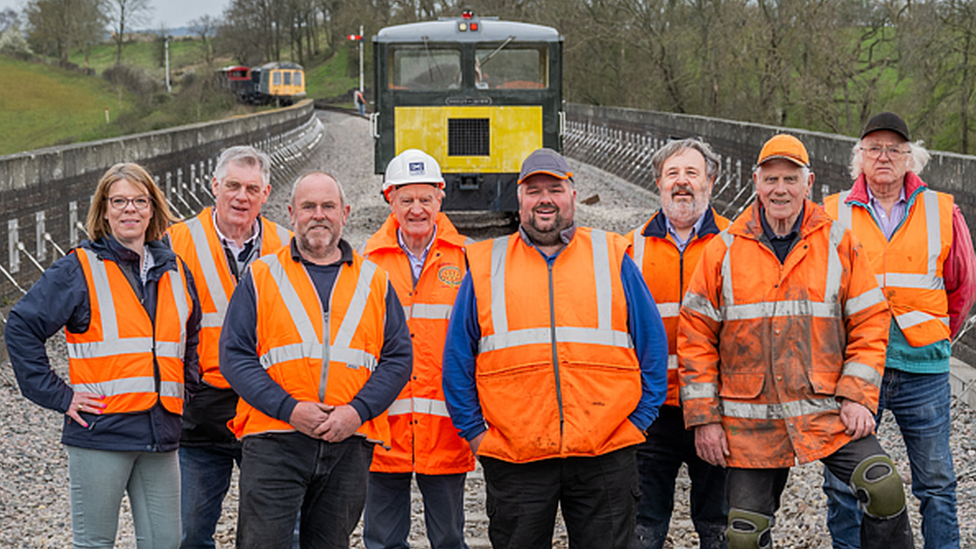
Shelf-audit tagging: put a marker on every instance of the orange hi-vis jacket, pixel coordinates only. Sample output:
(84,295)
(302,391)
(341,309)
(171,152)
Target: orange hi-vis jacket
(667,272)
(556,371)
(197,243)
(424,439)
(290,325)
(115,356)
(767,349)
(909,266)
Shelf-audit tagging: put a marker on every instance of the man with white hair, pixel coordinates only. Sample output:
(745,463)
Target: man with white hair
(218,245)
(666,248)
(922,254)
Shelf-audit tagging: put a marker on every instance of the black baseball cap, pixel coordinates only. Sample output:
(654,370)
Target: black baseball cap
(887,121)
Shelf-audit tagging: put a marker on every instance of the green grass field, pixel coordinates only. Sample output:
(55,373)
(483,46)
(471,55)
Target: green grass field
(43,105)
(145,55)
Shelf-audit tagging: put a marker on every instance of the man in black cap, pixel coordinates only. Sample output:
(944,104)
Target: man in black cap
(555,364)
(922,253)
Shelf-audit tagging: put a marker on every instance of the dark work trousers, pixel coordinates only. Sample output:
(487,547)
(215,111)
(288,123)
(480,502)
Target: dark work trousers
(759,491)
(659,458)
(283,474)
(597,495)
(386,522)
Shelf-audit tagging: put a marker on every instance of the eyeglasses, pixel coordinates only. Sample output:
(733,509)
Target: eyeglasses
(873,153)
(121,202)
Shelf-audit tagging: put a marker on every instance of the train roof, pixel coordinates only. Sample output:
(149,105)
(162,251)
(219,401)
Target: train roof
(233,68)
(447,30)
(281,65)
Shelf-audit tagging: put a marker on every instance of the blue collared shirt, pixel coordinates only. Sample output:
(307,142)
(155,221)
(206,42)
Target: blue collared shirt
(416,263)
(695,229)
(888,223)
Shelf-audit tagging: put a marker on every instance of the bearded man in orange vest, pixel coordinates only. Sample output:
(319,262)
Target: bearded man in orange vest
(666,248)
(316,345)
(218,245)
(424,256)
(781,345)
(922,253)
(555,364)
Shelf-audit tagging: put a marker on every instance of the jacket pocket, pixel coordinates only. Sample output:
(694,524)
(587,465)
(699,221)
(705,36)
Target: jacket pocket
(741,386)
(824,382)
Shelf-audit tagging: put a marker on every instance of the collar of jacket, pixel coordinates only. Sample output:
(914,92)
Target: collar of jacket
(657,226)
(749,225)
(108,248)
(344,248)
(386,237)
(859,191)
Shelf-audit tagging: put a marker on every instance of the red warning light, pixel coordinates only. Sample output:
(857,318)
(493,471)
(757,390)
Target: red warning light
(467,14)
(473,26)
(355,37)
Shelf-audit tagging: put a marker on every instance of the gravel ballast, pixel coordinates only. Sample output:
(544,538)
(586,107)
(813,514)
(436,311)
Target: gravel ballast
(34,499)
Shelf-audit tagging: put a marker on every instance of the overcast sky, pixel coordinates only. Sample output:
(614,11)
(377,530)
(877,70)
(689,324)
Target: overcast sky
(171,13)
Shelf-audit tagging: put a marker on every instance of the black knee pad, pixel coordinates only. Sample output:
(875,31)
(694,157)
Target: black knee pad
(749,530)
(878,487)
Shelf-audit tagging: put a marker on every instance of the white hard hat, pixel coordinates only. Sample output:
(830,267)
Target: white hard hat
(412,166)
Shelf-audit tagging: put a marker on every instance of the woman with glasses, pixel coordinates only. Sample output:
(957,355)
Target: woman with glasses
(131,316)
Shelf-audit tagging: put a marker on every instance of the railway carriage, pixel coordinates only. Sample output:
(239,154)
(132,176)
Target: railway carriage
(477,94)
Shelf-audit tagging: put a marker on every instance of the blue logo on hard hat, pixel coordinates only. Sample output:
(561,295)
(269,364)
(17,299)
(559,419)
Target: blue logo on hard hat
(417,168)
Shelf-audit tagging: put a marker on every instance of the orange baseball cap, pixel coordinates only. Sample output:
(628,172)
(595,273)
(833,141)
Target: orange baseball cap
(786,147)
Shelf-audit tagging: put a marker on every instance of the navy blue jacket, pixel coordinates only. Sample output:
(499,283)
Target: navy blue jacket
(239,361)
(60,299)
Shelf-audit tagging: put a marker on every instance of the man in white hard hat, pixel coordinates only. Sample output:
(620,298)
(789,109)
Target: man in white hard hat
(424,255)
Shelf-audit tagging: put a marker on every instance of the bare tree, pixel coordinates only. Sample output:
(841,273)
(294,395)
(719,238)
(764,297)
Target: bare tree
(125,15)
(206,28)
(55,26)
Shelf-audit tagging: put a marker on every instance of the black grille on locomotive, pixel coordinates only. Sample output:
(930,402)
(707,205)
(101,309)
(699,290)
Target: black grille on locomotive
(468,137)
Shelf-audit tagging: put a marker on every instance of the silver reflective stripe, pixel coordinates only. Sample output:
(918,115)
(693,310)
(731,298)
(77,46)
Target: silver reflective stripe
(835,269)
(431,311)
(296,310)
(212,320)
(728,298)
(862,371)
(914,318)
(315,350)
(564,334)
(698,390)
(182,310)
(118,387)
(933,226)
(499,314)
(210,273)
(171,389)
(797,408)
(868,299)
(772,309)
(103,293)
(702,306)
(418,406)
(354,314)
(283,235)
(672,362)
(638,247)
(843,209)
(169,349)
(399,407)
(406,312)
(926,281)
(668,310)
(602,275)
(102,349)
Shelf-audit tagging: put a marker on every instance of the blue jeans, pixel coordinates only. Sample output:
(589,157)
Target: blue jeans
(659,458)
(920,404)
(386,522)
(284,474)
(205,477)
(99,478)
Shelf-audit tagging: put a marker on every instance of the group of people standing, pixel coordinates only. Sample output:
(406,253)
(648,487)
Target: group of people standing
(579,366)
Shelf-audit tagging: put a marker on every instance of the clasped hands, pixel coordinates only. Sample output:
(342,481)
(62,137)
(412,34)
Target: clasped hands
(325,422)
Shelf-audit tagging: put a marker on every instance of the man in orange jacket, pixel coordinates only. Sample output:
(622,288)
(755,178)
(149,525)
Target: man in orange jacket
(781,347)
(554,365)
(666,249)
(218,245)
(424,256)
(316,345)
(919,245)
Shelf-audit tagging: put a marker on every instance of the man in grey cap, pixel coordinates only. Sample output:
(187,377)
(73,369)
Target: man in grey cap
(895,215)
(554,366)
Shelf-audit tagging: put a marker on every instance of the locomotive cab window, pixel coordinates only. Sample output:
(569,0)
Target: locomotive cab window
(298,78)
(287,78)
(424,68)
(511,67)
(276,78)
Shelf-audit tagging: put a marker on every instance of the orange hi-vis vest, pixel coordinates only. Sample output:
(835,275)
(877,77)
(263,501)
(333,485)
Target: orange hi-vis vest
(290,324)
(909,266)
(767,349)
(424,439)
(556,371)
(115,356)
(666,272)
(197,243)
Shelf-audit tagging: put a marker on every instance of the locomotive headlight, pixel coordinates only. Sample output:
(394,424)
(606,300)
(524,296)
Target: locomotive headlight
(462,27)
